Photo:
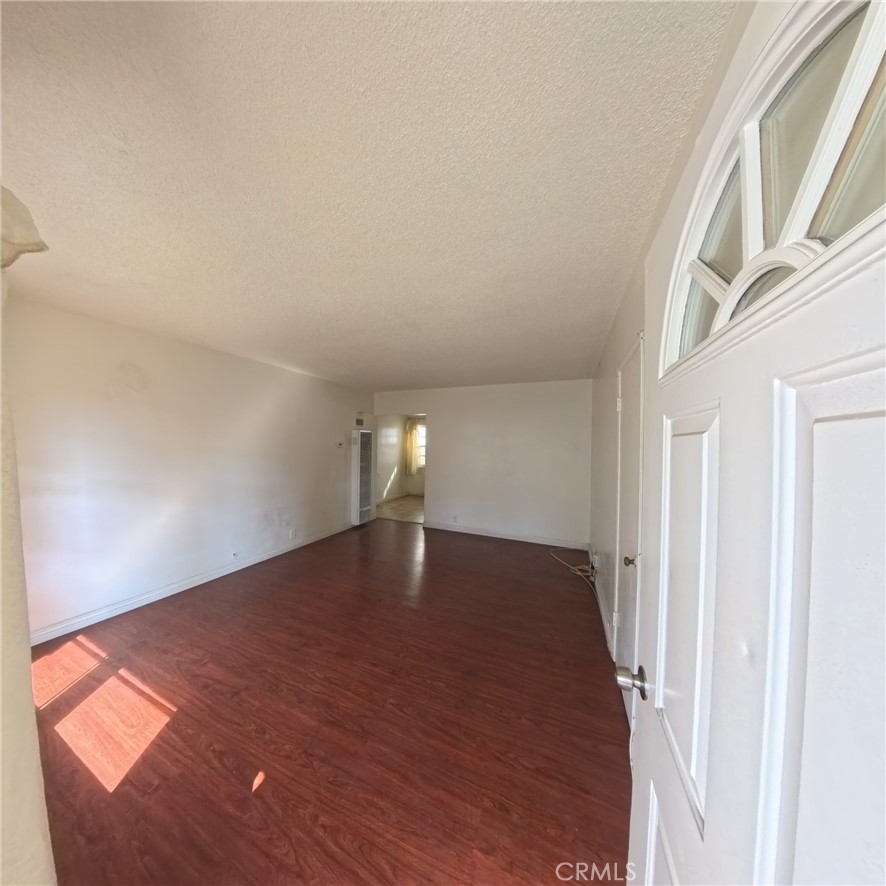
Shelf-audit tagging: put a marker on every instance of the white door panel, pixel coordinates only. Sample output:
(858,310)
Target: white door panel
(844,660)
(661,869)
(685,643)
(793,419)
(826,747)
(759,754)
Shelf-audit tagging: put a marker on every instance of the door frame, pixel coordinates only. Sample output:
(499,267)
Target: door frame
(617,627)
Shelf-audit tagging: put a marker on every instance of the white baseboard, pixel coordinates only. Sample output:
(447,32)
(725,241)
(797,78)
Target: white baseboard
(605,616)
(493,533)
(50,632)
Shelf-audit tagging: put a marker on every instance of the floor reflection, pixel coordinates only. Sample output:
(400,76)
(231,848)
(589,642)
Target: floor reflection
(417,571)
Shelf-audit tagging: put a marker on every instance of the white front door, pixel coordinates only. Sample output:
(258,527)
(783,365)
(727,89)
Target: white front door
(759,754)
(763,638)
(628,562)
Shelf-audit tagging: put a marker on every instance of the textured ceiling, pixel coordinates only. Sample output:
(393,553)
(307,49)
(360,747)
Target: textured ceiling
(389,196)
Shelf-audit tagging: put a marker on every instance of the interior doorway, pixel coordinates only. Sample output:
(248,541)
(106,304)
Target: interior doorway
(402,456)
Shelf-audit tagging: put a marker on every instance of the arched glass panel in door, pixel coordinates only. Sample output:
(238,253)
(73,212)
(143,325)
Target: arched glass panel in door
(809,168)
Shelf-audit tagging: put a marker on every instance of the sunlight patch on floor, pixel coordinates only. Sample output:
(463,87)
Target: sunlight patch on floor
(56,672)
(113,727)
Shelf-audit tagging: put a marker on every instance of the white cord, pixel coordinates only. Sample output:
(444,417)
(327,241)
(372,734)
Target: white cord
(586,573)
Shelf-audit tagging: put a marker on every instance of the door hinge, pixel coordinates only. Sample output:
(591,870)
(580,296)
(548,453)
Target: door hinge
(616,620)
(618,404)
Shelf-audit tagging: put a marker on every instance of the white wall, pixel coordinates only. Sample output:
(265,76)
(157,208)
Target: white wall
(415,485)
(146,463)
(506,460)
(631,320)
(391,462)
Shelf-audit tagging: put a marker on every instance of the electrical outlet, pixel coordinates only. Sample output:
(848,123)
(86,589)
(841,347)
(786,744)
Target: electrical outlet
(291,534)
(234,555)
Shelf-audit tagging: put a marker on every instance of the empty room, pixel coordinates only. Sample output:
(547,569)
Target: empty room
(443,443)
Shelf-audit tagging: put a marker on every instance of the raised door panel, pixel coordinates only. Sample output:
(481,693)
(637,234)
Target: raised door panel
(660,862)
(686,613)
(827,689)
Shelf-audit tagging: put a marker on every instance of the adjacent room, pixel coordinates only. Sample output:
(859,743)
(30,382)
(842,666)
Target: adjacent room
(401,458)
(440,441)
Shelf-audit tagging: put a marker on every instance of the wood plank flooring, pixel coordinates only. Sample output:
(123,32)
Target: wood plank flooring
(389,705)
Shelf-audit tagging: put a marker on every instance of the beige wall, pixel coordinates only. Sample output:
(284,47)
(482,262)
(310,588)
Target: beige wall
(26,852)
(506,460)
(146,464)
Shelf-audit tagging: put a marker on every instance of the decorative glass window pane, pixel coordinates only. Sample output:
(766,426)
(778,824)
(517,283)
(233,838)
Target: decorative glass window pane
(697,318)
(721,248)
(760,287)
(422,432)
(793,123)
(791,128)
(858,186)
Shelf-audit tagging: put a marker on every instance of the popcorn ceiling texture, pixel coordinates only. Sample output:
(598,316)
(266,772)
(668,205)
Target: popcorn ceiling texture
(389,196)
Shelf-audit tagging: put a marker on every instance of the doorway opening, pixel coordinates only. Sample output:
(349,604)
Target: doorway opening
(402,456)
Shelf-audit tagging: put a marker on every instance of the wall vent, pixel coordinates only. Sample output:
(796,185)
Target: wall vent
(361,476)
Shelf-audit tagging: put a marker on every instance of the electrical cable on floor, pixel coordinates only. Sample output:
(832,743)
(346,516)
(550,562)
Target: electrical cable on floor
(586,573)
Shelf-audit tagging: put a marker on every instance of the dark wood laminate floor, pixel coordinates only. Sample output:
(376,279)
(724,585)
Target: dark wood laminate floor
(389,705)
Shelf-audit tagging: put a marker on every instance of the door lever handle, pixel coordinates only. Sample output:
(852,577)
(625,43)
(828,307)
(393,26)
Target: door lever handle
(628,681)
(630,561)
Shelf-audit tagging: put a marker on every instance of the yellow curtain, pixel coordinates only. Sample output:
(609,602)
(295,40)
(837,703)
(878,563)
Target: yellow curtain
(411,447)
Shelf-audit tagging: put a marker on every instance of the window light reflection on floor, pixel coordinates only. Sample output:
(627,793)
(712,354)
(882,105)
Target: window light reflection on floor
(52,674)
(111,729)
